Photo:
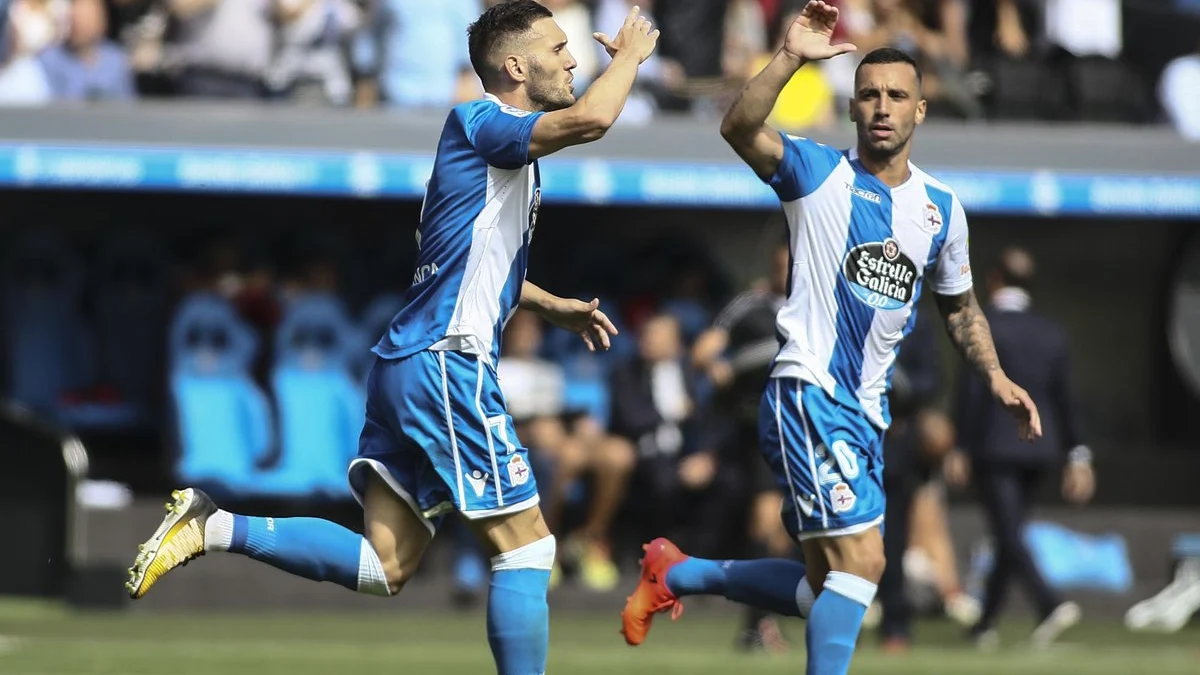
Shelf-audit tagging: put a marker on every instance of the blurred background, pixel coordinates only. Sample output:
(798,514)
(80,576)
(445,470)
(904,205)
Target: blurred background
(207,211)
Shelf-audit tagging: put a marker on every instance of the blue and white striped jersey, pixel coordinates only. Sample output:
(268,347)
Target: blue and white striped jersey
(860,254)
(477,220)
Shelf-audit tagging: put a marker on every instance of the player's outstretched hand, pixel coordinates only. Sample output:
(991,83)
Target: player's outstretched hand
(584,318)
(809,35)
(636,36)
(1021,406)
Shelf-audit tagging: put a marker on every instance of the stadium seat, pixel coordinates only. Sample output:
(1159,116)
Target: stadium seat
(47,347)
(130,285)
(321,403)
(222,418)
(1107,90)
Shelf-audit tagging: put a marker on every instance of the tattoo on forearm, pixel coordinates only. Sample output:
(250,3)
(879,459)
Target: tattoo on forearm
(969,331)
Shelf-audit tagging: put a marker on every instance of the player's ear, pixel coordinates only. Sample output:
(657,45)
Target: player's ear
(850,110)
(516,68)
(921,106)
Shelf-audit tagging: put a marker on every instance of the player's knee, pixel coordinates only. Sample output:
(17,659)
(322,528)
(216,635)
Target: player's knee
(767,523)
(538,555)
(617,455)
(398,566)
(868,563)
(862,557)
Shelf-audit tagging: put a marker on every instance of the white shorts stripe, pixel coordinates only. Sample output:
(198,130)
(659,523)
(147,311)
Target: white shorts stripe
(812,457)
(487,431)
(783,456)
(462,495)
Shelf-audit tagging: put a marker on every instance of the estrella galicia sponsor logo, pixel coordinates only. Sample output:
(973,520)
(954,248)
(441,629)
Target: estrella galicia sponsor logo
(880,274)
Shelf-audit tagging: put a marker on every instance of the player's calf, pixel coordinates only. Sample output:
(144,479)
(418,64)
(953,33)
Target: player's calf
(518,617)
(856,563)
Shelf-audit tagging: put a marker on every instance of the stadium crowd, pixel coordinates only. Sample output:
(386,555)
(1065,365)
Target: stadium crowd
(1059,60)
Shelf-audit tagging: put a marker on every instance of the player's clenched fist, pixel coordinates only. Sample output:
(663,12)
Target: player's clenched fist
(636,37)
(808,36)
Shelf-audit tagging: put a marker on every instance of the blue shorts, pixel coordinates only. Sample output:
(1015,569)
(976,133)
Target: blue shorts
(438,432)
(827,460)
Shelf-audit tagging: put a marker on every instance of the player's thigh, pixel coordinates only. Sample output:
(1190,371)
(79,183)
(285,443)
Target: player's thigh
(859,553)
(456,414)
(404,501)
(510,531)
(827,461)
(398,534)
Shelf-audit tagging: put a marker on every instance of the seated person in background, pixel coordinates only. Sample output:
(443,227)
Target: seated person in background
(533,388)
(654,412)
(88,66)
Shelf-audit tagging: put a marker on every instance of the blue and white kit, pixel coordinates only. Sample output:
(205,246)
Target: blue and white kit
(861,252)
(437,428)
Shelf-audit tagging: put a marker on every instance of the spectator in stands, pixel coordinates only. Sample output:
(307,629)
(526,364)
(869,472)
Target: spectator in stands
(22,80)
(39,24)
(309,64)
(654,409)
(693,35)
(999,27)
(533,388)
(1177,91)
(657,75)
(935,33)
(88,66)
(575,18)
(221,48)
(413,54)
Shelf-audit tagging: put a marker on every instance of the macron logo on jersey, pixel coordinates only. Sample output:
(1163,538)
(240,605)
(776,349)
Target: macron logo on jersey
(515,112)
(869,196)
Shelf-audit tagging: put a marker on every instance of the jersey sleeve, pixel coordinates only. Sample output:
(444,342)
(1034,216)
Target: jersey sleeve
(501,133)
(804,167)
(952,272)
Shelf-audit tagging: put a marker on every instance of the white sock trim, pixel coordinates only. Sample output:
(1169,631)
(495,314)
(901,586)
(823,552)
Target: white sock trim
(854,587)
(371,578)
(804,598)
(218,531)
(539,556)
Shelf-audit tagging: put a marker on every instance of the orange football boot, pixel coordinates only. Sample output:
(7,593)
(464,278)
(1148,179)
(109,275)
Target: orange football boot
(651,595)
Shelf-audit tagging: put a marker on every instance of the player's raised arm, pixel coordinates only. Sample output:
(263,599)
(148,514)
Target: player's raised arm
(745,125)
(597,110)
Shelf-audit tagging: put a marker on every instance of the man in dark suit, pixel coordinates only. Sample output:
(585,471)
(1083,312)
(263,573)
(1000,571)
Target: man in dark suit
(1034,351)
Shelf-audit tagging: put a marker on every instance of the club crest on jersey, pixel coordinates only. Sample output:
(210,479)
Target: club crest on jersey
(880,275)
(518,470)
(842,498)
(931,222)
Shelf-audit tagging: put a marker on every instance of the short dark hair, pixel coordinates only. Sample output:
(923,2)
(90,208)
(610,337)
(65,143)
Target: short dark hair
(885,55)
(1015,267)
(495,25)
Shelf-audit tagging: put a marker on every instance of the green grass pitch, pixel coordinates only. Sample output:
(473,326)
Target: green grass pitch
(41,640)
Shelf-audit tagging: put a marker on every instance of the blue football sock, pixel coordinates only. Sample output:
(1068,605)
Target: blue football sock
(836,618)
(311,548)
(774,584)
(518,621)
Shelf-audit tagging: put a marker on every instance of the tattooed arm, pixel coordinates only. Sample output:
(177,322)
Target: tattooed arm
(969,331)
